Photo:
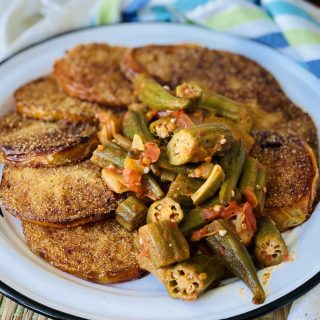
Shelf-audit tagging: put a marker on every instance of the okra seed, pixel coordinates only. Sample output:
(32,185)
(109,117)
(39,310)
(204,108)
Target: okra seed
(223,141)
(232,193)
(222,233)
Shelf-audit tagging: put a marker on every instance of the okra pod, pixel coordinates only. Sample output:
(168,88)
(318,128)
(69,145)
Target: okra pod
(269,247)
(163,163)
(228,108)
(252,184)
(209,188)
(110,153)
(163,128)
(152,94)
(131,213)
(188,280)
(151,187)
(135,122)
(166,175)
(182,189)
(198,218)
(221,238)
(232,164)
(165,209)
(199,143)
(164,243)
(189,91)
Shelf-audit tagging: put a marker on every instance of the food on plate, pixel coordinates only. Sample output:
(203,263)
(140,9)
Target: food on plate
(43,99)
(269,247)
(188,280)
(36,143)
(57,196)
(200,163)
(92,72)
(228,74)
(221,237)
(99,251)
(292,177)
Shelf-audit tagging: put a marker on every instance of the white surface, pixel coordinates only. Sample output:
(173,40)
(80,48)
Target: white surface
(145,298)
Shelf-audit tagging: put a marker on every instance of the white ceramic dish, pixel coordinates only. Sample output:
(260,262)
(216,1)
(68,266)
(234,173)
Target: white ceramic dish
(30,280)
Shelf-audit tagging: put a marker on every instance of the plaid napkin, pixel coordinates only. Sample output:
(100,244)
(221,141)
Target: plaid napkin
(290,26)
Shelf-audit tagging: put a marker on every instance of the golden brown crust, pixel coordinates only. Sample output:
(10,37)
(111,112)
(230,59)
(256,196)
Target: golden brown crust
(57,195)
(229,74)
(92,72)
(101,252)
(36,143)
(43,99)
(290,170)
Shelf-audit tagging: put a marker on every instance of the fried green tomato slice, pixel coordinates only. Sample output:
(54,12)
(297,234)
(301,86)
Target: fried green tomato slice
(36,143)
(101,252)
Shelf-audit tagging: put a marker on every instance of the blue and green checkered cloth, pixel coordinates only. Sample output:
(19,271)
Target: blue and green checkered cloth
(290,26)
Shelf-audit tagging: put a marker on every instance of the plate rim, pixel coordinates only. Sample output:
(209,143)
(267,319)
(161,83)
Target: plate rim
(42,309)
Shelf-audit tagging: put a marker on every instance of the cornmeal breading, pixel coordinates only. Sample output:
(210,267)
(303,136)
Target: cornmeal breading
(43,99)
(101,251)
(57,196)
(36,143)
(92,72)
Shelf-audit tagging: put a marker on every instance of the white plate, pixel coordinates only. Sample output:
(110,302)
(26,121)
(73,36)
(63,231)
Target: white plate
(146,299)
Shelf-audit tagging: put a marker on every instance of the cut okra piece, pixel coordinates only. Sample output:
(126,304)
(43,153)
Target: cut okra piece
(110,153)
(269,247)
(198,218)
(227,108)
(210,187)
(232,164)
(252,184)
(188,280)
(166,175)
(182,189)
(135,122)
(151,187)
(164,243)
(199,143)
(131,213)
(165,209)
(163,128)
(221,238)
(154,95)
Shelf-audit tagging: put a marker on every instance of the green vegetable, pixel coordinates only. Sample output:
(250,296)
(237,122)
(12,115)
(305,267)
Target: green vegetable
(209,188)
(156,96)
(182,189)
(228,108)
(110,153)
(166,175)
(269,246)
(198,218)
(188,280)
(253,184)
(222,239)
(153,190)
(163,242)
(165,209)
(135,122)
(163,163)
(199,143)
(163,128)
(131,213)
(232,163)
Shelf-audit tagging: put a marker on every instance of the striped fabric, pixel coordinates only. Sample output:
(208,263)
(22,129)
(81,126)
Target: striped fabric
(290,26)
